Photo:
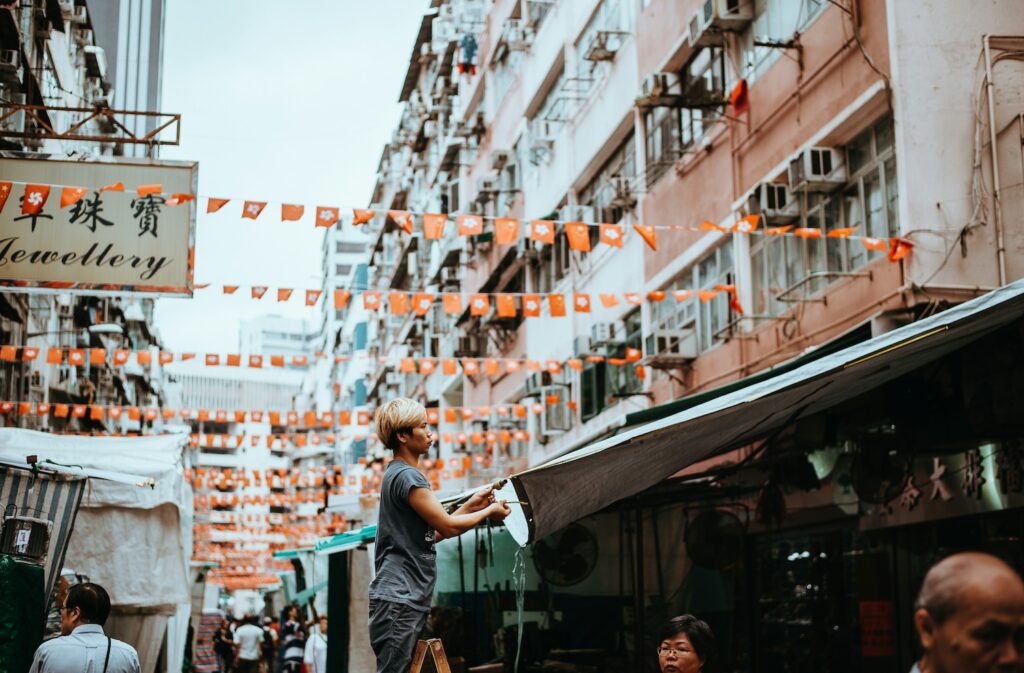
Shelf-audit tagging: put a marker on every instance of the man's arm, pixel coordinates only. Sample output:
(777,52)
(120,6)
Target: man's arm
(446,525)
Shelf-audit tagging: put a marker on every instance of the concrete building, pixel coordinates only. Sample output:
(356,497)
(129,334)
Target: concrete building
(277,335)
(612,111)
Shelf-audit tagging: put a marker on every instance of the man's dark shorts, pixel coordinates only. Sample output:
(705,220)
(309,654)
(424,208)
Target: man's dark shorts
(394,629)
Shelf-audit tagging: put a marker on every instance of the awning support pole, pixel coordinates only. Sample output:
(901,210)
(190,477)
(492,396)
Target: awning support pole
(638,590)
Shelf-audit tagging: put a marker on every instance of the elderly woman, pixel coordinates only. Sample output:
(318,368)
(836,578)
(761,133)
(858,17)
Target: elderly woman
(686,645)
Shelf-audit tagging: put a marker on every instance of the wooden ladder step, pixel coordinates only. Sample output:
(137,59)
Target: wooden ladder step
(436,650)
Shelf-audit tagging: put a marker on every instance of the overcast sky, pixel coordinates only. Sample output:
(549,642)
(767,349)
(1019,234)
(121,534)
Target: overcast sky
(280,101)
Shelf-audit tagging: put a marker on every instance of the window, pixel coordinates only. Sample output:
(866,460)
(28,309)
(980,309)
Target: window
(611,21)
(345,247)
(342,270)
(709,318)
(611,189)
(774,20)
(601,383)
(867,202)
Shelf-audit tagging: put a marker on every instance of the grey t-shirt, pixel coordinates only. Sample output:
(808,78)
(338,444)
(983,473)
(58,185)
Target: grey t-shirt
(404,557)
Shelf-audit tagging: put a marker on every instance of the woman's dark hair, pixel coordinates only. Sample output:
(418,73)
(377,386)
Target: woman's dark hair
(92,601)
(697,631)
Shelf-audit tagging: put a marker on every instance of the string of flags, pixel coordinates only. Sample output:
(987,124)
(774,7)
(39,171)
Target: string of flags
(434,226)
(123,356)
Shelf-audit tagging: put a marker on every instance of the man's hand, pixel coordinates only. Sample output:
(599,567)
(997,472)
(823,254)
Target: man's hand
(479,500)
(498,511)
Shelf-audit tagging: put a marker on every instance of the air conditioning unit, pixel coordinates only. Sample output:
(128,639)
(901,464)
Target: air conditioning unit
(26,537)
(556,418)
(487,184)
(817,169)
(576,214)
(621,188)
(773,203)
(516,35)
(543,133)
(607,334)
(581,346)
(451,276)
(602,46)
(671,347)
(95,61)
(716,17)
(468,346)
(500,159)
(659,89)
(535,382)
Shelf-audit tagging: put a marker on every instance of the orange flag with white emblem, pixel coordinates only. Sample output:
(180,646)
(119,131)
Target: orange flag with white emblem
(531,305)
(452,303)
(542,231)
(506,231)
(403,218)
(746,225)
(371,300)
(578,235)
(360,216)
(470,225)
(252,209)
(433,226)
(34,199)
(556,302)
(213,205)
(611,234)
(291,213)
(399,303)
(69,196)
(647,233)
(479,304)
(341,298)
(284,293)
(5,192)
(581,302)
(506,304)
(312,296)
(327,216)
(421,303)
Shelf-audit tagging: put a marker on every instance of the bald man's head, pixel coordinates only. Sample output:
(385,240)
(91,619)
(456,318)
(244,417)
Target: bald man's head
(970,615)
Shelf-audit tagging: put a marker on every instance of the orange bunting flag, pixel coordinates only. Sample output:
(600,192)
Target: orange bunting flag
(512,366)
(492,367)
(734,302)
(213,205)
(312,296)
(258,291)
(5,192)
(76,356)
(452,303)
(506,231)
(427,366)
(284,293)
(471,368)
(277,361)
(8,353)
(34,200)
(148,190)
(581,302)
(531,305)
(746,225)
(371,300)
(807,232)
(230,289)
(399,303)
(899,248)
(506,305)
(233,360)
(711,226)
(611,234)
(406,366)
(574,363)
(116,187)
(578,235)
(874,244)
(327,216)
(843,232)
(144,357)
(212,359)
(706,295)
(433,226)
(647,233)
(553,366)
(641,373)
(682,295)
(470,225)
(448,368)
(69,196)
(421,303)
(291,213)
(55,356)
(739,98)
(252,209)
(165,358)
(256,361)
(403,218)
(29,353)
(479,304)
(360,216)
(634,298)
(656,295)
(778,231)
(608,300)
(542,231)
(556,303)
(632,354)
(177,199)
(97,356)
(341,298)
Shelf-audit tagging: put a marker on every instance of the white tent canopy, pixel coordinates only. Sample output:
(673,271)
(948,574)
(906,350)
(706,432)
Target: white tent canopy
(596,476)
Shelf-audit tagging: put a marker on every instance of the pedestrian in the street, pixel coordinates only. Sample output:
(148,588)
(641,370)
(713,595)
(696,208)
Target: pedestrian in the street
(969,617)
(224,647)
(685,645)
(248,642)
(269,646)
(315,656)
(409,522)
(82,645)
(293,641)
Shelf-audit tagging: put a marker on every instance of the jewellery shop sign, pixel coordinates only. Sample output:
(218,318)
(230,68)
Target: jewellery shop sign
(94,230)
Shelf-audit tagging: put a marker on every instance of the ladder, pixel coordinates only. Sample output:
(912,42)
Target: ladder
(436,653)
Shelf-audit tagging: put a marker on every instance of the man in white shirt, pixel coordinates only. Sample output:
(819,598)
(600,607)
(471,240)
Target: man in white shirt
(82,646)
(315,657)
(248,638)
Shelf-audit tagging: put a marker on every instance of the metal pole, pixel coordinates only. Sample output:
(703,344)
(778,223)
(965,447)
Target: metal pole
(338,627)
(1000,244)
(638,590)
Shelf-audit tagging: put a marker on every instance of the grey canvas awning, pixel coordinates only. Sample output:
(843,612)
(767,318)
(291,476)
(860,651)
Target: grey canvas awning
(588,480)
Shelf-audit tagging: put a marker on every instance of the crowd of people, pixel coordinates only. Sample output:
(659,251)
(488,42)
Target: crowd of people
(288,645)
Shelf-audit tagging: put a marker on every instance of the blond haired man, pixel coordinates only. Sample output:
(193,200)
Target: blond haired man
(409,522)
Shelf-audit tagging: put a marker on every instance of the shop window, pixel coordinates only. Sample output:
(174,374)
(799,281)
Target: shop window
(774,20)
(709,319)
(867,202)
